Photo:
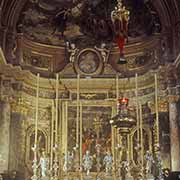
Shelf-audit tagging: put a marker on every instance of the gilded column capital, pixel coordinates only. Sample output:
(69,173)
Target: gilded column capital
(173,98)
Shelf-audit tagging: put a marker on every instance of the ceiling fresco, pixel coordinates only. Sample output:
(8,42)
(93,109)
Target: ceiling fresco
(84,22)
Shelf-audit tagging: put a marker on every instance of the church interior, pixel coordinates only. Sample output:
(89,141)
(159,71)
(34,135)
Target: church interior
(89,89)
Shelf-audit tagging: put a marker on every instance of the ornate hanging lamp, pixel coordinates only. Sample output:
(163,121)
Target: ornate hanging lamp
(120,20)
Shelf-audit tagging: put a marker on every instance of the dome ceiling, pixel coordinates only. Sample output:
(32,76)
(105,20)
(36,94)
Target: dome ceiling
(85,23)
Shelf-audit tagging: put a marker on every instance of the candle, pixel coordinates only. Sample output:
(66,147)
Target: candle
(77,120)
(52,134)
(37,110)
(56,119)
(117,90)
(81,135)
(141,135)
(66,127)
(137,108)
(113,134)
(156,107)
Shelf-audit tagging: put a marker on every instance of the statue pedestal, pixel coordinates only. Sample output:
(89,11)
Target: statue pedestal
(149,177)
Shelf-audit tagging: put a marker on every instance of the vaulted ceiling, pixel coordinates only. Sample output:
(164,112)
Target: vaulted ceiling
(169,11)
(35,19)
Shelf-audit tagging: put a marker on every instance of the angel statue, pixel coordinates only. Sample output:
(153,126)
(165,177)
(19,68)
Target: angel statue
(72,50)
(68,161)
(108,162)
(87,162)
(103,50)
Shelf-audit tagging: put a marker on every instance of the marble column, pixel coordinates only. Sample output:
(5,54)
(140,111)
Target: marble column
(174,133)
(5,115)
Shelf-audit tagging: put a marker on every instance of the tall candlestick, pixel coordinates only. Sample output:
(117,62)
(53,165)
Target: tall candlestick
(157,116)
(52,135)
(56,119)
(56,165)
(141,135)
(113,135)
(35,165)
(137,108)
(66,127)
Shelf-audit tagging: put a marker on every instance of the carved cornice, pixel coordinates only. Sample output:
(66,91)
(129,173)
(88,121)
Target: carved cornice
(141,56)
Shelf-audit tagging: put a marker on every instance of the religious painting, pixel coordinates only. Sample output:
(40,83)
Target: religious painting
(86,23)
(96,131)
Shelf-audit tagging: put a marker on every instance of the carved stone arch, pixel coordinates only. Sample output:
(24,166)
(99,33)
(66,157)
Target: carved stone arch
(30,142)
(162,12)
(13,11)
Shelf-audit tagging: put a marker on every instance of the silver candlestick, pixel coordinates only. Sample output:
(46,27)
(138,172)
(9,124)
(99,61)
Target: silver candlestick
(55,165)
(34,166)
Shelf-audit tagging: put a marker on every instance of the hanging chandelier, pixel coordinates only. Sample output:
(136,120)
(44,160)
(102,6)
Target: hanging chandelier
(120,20)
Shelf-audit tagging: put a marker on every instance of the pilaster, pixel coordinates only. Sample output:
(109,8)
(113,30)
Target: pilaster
(174,133)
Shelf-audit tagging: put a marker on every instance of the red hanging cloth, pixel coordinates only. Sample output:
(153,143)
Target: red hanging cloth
(121,43)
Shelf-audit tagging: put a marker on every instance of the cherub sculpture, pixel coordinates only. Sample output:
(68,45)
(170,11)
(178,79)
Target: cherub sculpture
(104,52)
(72,50)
